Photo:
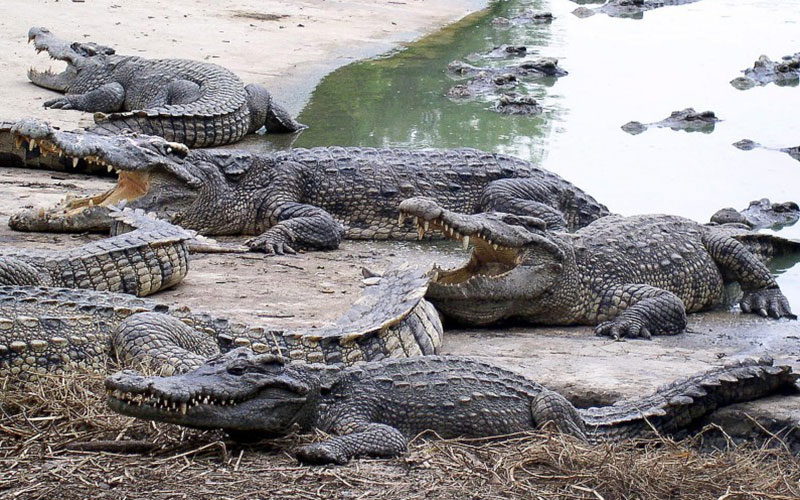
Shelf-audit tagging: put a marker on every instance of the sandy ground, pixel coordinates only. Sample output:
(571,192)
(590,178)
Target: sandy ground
(289,54)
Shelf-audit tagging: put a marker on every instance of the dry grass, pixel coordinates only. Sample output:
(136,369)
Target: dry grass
(45,433)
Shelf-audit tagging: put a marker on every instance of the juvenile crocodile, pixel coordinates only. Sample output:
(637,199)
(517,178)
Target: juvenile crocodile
(196,103)
(687,119)
(630,276)
(785,72)
(47,330)
(374,408)
(298,199)
(152,257)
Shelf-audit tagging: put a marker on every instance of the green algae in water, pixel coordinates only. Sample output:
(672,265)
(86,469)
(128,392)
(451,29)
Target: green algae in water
(399,100)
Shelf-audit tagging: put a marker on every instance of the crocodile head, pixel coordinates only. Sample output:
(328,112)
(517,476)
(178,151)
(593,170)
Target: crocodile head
(152,174)
(514,261)
(89,65)
(236,391)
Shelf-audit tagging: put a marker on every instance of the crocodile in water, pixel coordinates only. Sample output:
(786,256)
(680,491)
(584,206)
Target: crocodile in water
(48,330)
(629,276)
(197,103)
(374,408)
(785,72)
(302,198)
(687,119)
(633,9)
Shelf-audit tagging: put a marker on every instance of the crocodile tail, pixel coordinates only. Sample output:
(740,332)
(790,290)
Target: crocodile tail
(265,112)
(768,246)
(681,404)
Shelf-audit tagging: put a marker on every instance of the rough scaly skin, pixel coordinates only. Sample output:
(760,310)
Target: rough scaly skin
(46,330)
(301,199)
(196,103)
(630,276)
(374,408)
(152,257)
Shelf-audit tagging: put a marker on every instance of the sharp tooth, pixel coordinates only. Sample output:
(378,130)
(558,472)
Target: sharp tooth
(74,163)
(230,402)
(426,225)
(465,242)
(110,168)
(416,220)
(420,232)
(494,245)
(401,218)
(183,408)
(91,202)
(205,400)
(31,144)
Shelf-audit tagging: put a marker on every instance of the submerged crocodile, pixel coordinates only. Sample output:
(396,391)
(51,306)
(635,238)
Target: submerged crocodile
(375,408)
(196,103)
(47,330)
(747,145)
(630,276)
(526,17)
(687,119)
(760,213)
(152,257)
(297,199)
(785,72)
(489,80)
(633,9)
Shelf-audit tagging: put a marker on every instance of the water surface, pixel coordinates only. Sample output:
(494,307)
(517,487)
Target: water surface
(619,70)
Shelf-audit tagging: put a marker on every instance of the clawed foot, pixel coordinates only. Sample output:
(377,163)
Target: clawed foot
(320,454)
(274,241)
(621,327)
(767,302)
(59,103)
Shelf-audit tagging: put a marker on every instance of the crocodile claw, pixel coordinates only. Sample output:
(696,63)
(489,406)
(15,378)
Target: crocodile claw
(274,241)
(767,302)
(320,454)
(59,103)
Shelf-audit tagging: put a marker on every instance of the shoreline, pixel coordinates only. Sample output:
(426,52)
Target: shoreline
(295,43)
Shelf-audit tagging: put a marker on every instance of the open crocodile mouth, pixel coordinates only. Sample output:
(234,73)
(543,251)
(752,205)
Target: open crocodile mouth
(130,185)
(147,401)
(488,259)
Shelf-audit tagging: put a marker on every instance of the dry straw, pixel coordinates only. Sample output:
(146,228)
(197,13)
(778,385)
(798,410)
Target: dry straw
(58,440)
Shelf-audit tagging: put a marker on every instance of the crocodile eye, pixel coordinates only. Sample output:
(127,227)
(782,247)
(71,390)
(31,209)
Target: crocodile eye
(236,370)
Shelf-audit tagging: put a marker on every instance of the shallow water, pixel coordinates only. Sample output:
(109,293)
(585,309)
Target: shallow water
(619,70)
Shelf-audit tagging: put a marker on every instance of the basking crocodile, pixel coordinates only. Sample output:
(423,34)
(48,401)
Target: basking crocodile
(374,408)
(687,119)
(196,103)
(785,72)
(48,330)
(152,257)
(633,9)
(630,276)
(297,199)
(760,213)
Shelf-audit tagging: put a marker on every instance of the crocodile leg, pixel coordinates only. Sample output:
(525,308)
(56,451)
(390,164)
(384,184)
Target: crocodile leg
(527,197)
(294,225)
(363,439)
(639,311)
(552,407)
(107,98)
(761,293)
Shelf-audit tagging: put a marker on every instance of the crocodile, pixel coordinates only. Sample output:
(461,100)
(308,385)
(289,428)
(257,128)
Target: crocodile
(152,257)
(785,72)
(517,104)
(196,103)
(628,276)
(47,330)
(375,408)
(301,198)
(747,145)
(500,52)
(632,9)
(526,17)
(687,119)
(760,213)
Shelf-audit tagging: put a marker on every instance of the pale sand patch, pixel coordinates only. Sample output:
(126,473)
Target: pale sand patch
(285,45)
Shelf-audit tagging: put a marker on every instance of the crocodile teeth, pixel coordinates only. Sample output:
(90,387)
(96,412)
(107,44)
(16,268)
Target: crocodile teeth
(183,408)
(18,142)
(74,163)
(426,225)
(465,242)
(401,218)
(420,232)
(31,144)
(110,168)
(494,245)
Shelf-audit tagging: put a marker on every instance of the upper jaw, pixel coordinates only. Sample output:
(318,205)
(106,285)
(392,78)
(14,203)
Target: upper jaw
(57,49)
